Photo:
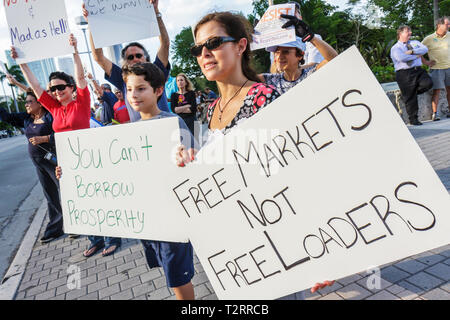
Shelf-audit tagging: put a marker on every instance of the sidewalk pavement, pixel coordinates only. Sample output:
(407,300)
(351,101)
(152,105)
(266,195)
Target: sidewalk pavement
(58,270)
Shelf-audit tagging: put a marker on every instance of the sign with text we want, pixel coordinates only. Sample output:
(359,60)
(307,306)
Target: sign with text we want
(118,21)
(38,29)
(325,182)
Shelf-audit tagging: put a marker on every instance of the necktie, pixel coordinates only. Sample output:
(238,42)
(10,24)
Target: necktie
(409,47)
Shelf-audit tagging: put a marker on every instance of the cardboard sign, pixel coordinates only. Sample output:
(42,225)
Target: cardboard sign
(115,180)
(268,31)
(323,183)
(38,29)
(119,21)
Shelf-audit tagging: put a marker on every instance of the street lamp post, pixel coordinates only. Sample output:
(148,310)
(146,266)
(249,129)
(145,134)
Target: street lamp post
(81,22)
(6,99)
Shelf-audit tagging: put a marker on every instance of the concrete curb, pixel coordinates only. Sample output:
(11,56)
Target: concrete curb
(13,277)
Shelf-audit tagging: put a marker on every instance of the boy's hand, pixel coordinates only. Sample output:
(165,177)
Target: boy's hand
(58,172)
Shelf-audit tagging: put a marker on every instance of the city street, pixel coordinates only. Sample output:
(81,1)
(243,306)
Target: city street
(21,196)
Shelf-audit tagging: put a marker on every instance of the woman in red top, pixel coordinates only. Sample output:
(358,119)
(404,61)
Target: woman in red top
(69,113)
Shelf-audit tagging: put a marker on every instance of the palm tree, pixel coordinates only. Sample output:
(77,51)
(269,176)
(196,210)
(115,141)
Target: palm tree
(16,73)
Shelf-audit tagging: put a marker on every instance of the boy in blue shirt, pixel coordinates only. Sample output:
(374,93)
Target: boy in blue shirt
(145,85)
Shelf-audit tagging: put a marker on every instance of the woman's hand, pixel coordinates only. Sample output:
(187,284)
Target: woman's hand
(184,156)
(73,42)
(14,54)
(58,172)
(321,285)
(38,140)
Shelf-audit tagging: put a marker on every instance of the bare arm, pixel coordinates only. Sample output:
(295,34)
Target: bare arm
(13,81)
(97,87)
(325,50)
(163,51)
(29,76)
(98,55)
(79,70)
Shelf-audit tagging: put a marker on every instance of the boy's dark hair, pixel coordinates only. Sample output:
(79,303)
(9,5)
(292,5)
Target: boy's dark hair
(152,74)
(135,44)
(64,77)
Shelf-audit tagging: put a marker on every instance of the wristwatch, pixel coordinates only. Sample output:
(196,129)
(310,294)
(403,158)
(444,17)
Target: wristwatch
(159,15)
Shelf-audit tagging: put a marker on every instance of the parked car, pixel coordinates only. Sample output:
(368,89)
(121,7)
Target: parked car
(3,134)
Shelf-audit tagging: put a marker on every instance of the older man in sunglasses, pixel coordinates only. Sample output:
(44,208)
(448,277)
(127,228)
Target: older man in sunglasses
(132,54)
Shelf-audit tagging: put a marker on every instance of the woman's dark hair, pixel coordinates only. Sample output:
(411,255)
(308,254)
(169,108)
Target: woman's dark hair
(30,93)
(300,53)
(152,74)
(64,77)
(236,26)
(135,44)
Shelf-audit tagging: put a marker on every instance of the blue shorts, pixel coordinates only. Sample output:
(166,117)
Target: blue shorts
(176,259)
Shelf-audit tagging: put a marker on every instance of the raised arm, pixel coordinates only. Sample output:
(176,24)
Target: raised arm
(303,31)
(80,79)
(97,53)
(97,87)
(13,81)
(29,76)
(163,51)
(327,52)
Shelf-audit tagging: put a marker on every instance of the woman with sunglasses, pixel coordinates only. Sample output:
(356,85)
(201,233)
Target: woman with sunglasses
(68,113)
(37,123)
(68,101)
(223,53)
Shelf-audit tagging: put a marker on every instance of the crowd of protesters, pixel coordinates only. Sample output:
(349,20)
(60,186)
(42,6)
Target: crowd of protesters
(222,50)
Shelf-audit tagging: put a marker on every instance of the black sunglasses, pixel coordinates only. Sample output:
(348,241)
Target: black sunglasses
(137,55)
(210,44)
(59,87)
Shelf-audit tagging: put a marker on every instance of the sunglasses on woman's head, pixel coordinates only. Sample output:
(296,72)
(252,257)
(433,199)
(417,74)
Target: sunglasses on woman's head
(59,87)
(210,44)
(137,55)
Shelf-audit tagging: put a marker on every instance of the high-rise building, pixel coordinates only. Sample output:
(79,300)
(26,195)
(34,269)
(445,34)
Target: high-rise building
(65,64)
(40,68)
(113,53)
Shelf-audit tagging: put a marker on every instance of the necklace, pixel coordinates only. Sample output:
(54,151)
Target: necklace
(226,104)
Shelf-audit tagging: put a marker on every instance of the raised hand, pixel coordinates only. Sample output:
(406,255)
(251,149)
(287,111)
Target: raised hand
(85,12)
(302,30)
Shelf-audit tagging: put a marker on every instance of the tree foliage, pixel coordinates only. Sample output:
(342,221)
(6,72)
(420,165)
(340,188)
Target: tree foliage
(341,29)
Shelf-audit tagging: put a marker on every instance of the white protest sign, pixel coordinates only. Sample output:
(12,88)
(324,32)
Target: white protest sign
(118,21)
(268,31)
(323,183)
(115,179)
(38,29)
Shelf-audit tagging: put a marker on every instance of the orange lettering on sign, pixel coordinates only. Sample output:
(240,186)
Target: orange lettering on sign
(274,14)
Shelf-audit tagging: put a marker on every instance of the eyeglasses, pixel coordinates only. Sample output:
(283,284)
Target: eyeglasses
(59,87)
(210,44)
(137,55)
